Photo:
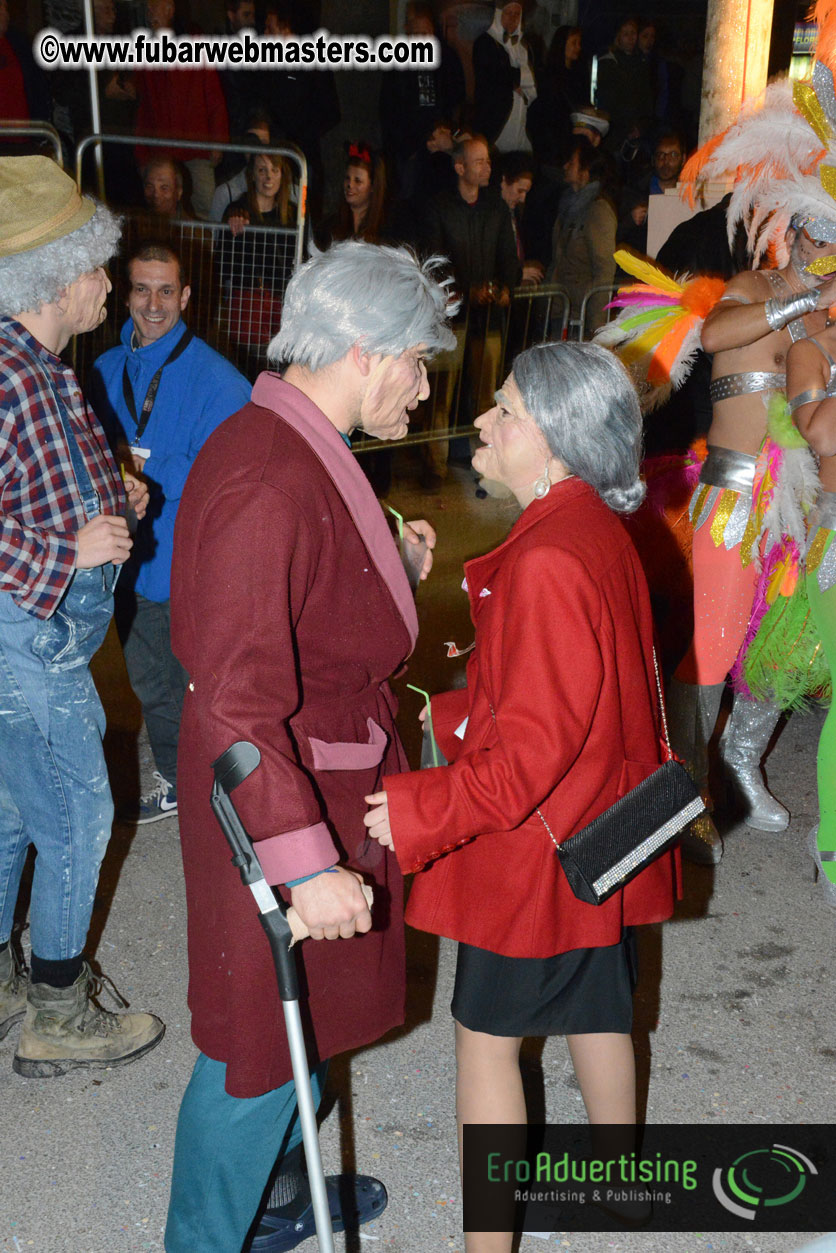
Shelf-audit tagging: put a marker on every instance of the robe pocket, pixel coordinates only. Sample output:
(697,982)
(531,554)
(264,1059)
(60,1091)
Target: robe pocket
(342,756)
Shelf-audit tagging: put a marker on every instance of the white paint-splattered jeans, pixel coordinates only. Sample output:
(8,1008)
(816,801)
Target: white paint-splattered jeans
(54,790)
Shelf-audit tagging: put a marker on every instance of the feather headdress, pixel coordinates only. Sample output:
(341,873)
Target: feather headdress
(781,156)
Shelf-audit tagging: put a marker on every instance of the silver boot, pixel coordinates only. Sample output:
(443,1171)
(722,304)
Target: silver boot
(818,855)
(692,714)
(742,747)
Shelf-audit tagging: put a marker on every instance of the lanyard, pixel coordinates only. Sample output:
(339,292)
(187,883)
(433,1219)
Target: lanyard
(151,395)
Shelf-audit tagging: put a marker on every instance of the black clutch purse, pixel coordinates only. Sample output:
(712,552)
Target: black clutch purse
(618,844)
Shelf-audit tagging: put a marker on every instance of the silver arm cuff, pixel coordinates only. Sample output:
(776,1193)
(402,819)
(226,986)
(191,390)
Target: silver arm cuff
(811,396)
(780,312)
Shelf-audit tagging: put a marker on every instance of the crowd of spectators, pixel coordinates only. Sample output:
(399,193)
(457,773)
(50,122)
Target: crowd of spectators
(528,164)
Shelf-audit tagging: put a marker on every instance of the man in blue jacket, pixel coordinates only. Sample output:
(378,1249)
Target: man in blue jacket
(160,394)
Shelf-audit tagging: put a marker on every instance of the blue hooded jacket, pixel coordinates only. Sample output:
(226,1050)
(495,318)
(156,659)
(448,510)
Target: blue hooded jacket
(197,392)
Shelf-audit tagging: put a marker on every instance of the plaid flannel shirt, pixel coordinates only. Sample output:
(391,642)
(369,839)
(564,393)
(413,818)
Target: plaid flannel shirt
(40,503)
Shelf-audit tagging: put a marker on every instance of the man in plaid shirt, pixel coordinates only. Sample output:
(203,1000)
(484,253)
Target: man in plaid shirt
(63,537)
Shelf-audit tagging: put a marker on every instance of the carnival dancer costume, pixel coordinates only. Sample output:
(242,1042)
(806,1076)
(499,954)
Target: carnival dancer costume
(748,518)
(812,405)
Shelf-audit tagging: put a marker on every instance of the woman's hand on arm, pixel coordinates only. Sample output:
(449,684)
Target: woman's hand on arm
(377,819)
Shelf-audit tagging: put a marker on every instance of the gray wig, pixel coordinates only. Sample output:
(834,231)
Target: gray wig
(383,298)
(584,402)
(38,277)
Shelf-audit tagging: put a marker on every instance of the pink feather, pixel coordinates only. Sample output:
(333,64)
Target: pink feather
(650,299)
(669,477)
(760,605)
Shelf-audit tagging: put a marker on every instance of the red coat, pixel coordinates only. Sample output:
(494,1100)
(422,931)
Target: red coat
(182,104)
(564,657)
(289,630)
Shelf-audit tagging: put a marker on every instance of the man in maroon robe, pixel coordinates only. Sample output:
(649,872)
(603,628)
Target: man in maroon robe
(290,609)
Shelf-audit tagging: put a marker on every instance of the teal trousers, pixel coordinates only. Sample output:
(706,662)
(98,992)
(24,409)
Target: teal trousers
(224,1154)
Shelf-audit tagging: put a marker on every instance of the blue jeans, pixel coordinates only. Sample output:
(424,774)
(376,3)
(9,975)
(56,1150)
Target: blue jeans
(54,790)
(224,1153)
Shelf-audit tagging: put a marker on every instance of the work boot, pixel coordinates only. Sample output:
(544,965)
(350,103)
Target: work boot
(742,747)
(692,714)
(12,991)
(65,1029)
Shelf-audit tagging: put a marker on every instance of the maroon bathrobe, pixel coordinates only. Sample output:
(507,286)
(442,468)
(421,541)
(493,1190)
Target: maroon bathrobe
(290,609)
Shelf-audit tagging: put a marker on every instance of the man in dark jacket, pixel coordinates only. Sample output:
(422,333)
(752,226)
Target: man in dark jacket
(414,102)
(471,225)
(625,90)
(303,103)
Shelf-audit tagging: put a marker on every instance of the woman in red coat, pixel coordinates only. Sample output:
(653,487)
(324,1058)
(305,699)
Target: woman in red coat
(559,720)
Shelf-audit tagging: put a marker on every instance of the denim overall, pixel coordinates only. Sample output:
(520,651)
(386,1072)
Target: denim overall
(54,790)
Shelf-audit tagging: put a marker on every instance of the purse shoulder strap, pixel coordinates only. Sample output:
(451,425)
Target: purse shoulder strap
(664,727)
(661,703)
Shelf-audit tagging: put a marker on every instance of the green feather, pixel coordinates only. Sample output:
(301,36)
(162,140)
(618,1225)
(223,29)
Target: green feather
(779,423)
(785,662)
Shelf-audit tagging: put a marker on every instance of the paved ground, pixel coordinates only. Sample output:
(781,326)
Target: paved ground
(734,1021)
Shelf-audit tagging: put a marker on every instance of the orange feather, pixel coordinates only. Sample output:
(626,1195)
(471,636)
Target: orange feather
(701,295)
(824,15)
(661,364)
(693,167)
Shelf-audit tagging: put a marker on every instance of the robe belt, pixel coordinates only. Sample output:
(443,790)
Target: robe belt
(729,385)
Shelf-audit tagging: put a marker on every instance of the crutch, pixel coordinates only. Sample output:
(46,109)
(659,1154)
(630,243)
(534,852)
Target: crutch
(231,769)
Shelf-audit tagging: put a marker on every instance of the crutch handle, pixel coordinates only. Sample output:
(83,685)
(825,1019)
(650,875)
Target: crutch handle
(231,769)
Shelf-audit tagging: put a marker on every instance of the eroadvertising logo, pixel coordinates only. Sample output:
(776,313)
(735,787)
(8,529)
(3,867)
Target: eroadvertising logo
(696,1177)
(762,1177)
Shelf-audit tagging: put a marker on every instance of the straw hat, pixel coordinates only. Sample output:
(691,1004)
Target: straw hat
(39,203)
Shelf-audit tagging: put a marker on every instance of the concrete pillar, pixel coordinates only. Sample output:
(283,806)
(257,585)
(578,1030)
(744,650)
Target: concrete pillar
(737,37)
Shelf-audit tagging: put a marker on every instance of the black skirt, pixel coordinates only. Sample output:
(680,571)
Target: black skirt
(584,990)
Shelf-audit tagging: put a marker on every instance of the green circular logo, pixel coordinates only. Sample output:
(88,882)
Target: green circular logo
(762,1179)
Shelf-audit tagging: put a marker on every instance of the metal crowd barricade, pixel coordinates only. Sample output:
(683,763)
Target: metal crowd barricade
(537,315)
(34,130)
(237,282)
(608,289)
(463,380)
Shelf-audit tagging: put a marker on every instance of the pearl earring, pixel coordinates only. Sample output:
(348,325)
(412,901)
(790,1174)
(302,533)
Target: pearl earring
(543,485)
